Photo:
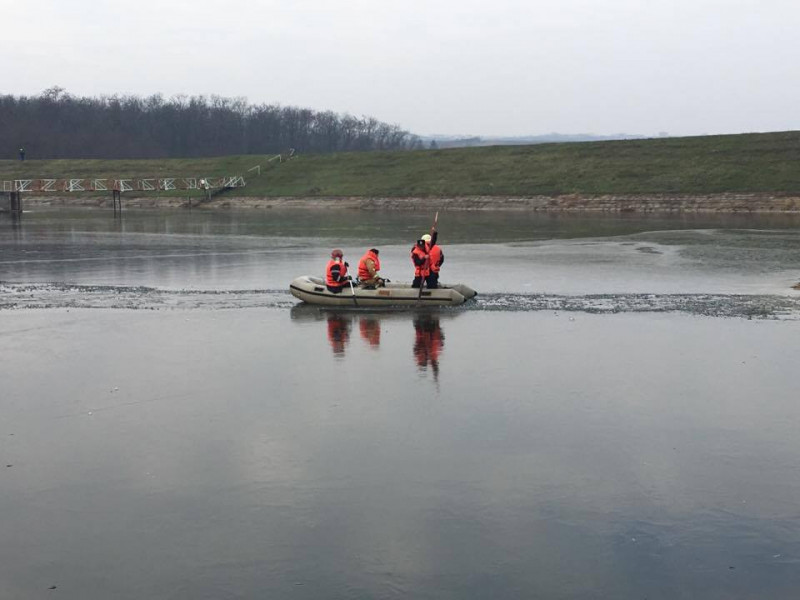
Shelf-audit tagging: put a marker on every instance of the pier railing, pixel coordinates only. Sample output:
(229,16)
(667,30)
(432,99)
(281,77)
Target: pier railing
(144,184)
(209,186)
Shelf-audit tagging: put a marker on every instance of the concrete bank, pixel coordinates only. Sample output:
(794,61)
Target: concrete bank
(706,203)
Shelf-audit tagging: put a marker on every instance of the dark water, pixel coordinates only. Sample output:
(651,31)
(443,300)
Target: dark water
(615,418)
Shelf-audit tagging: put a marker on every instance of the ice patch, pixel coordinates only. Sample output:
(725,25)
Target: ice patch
(62,295)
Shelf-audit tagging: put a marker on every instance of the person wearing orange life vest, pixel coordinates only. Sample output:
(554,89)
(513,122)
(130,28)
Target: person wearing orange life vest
(368,268)
(421,261)
(436,260)
(336,277)
(421,258)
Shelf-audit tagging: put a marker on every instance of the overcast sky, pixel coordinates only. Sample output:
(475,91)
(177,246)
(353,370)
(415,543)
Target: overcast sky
(488,67)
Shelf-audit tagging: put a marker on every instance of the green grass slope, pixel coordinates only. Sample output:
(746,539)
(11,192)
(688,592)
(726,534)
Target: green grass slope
(768,162)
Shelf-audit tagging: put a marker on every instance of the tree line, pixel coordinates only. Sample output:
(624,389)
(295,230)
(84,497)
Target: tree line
(56,124)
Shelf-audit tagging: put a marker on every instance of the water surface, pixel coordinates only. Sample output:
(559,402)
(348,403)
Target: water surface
(614,417)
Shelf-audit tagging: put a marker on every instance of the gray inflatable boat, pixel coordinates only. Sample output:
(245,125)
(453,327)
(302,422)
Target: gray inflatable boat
(313,291)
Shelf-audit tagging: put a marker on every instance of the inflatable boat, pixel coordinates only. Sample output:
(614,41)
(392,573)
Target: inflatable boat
(313,291)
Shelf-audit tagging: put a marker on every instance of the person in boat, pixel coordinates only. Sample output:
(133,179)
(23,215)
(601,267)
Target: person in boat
(336,277)
(421,261)
(368,270)
(421,258)
(436,260)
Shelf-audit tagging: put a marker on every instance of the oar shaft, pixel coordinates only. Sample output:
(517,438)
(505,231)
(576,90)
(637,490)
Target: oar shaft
(353,289)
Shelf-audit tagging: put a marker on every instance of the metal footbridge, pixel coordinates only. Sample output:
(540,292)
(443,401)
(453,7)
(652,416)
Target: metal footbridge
(209,186)
(15,188)
(145,184)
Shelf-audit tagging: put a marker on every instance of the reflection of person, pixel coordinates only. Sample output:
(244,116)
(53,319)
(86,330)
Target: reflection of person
(368,268)
(338,333)
(428,343)
(336,277)
(370,329)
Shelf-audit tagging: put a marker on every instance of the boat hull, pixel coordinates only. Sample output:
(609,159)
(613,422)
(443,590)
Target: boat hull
(313,291)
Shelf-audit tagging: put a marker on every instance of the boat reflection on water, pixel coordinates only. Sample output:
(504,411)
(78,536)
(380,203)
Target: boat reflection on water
(338,333)
(339,327)
(370,329)
(428,340)
(428,343)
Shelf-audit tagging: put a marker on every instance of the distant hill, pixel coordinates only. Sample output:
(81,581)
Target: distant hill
(450,141)
(748,163)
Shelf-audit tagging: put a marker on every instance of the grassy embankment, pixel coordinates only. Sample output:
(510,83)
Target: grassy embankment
(767,163)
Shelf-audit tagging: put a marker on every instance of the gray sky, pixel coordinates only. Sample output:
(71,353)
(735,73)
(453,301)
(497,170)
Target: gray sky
(489,67)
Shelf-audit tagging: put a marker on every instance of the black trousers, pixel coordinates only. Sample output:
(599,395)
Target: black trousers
(431,281)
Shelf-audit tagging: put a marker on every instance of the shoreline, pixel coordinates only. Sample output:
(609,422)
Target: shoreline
(637,203)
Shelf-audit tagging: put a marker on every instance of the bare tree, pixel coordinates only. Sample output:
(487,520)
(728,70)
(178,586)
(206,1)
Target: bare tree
(56,124)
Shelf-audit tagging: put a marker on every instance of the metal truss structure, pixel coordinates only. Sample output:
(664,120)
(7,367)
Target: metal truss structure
(122,185)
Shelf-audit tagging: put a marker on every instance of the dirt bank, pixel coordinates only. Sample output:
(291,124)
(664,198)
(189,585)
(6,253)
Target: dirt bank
(711,203)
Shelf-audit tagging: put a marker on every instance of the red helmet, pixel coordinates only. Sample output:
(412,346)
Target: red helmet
(337,253)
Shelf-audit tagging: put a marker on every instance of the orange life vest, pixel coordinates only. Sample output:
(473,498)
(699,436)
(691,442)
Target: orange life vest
(437,257)
(423,269)
(363,272)
(330,280)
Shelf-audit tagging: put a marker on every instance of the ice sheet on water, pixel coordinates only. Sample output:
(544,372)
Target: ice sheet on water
(63,295)
(717,305)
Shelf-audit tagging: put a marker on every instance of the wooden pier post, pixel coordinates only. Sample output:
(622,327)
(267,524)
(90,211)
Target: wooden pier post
(116,197)
(16,202)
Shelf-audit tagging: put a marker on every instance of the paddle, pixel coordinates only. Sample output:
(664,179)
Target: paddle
(422,279)
(421,285)
(352,289)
